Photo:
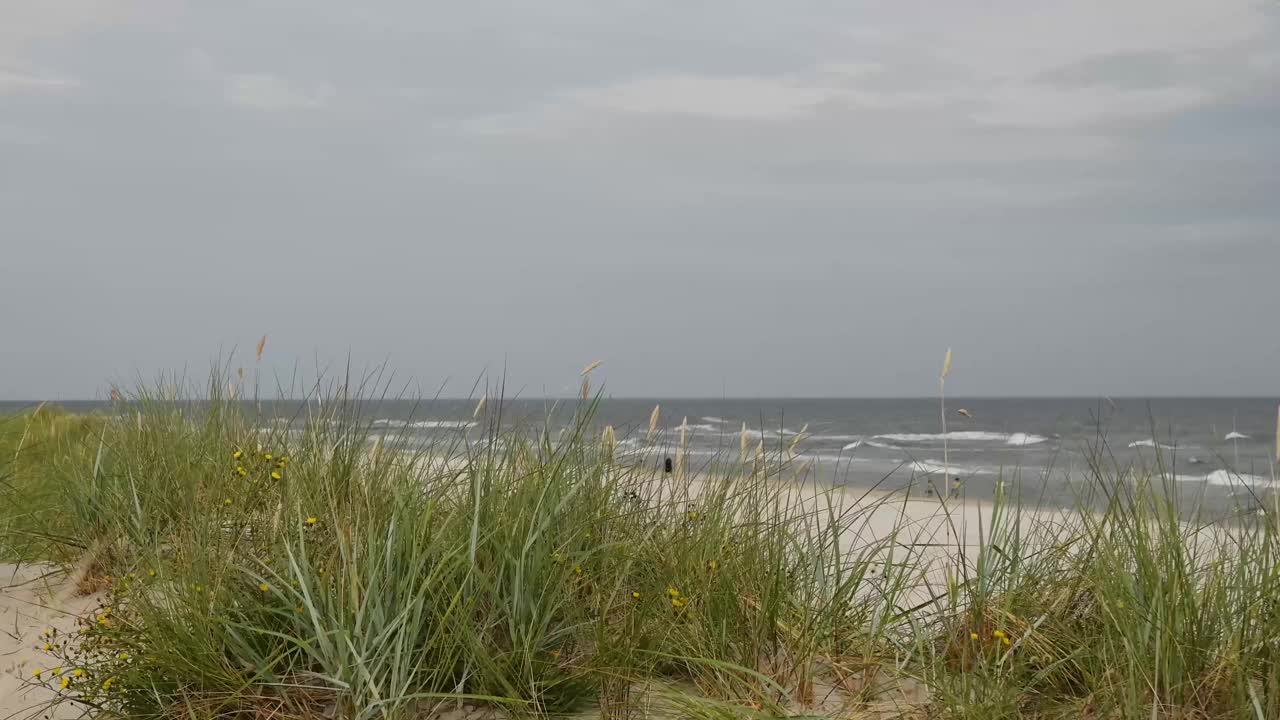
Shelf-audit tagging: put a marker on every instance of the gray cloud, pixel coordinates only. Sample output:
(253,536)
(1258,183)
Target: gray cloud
(799,199)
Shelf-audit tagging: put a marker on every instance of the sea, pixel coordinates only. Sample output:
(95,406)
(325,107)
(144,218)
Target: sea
(1048,449)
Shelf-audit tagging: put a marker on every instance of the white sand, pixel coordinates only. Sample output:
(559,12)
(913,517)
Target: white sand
(33,598)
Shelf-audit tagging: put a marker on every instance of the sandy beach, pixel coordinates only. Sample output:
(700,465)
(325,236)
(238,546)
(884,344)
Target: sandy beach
(34,599)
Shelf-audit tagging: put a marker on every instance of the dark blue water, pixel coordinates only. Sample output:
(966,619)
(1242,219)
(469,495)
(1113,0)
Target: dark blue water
(1218,445)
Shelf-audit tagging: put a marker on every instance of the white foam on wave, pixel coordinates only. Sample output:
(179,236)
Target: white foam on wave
(1024,439)
(1233,435)
(965,436)
(714,419)
(853,445)
(770,433)
(881,445)
(1151,444)
(426,424)
(929,467)
(698,427)
(1228,478)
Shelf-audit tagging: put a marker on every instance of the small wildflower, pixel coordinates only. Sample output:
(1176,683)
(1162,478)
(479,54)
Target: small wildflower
(226,501)
(37,673)
(241,471)
(123,656)
(713,565)
(312,520)
(237,454)
(66,681)
(151,573)
(321,570)
(635,594)
(56,671)
(79,672)
(1006,641)
(45,632)
(998,634)
(46,647)
(264,587)
(691,515)
(678,602)
(577,569)
(672,592)
(973,636)
(106,685)
(266,456)
(275,475)
(199,587)
(284,460)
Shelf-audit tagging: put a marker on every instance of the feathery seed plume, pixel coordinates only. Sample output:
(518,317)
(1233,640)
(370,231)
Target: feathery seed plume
(653,422)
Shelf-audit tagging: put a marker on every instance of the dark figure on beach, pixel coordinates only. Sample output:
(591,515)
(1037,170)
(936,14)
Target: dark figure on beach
(666,466)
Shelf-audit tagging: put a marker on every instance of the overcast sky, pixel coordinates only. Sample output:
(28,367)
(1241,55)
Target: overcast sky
(745,198)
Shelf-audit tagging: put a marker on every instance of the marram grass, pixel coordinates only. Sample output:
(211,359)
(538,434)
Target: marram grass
(255,571)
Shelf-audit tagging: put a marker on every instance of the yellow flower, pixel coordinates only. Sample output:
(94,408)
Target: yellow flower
(282,462)
(237,455)
(46,647)
(312,520)
(227,501)
(106,686)
(65,682)
(199,587)
(998,634)
(56,671)
(37,673)
(672,592)
(1006,642)
(973,636)
(79,672)
(275,475)
(691,515)
(241,471)
(151,573)
(123,656)
(577,569)
(678,602)
(713,565)
(264,587)
(635,595)
(322,571)
(45,632)
(266,456)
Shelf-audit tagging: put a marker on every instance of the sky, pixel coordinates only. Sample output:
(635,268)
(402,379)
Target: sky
(747,198)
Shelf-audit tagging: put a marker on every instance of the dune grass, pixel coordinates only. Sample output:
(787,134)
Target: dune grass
(256,569)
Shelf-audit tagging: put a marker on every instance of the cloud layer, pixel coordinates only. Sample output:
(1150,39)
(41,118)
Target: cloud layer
(805,198)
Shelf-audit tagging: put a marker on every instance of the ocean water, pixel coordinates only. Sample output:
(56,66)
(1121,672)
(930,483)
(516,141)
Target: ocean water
(1220,448)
